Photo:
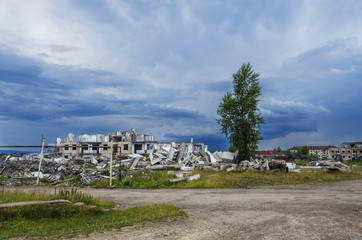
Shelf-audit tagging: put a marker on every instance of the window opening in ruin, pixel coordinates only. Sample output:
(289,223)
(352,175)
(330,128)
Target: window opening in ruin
(138,147)
(115,148)
(84,149)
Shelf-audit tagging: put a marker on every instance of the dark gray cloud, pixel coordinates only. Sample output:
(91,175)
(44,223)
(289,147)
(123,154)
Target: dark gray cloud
(316,90)
(173,113)
(285,117)
(37,92)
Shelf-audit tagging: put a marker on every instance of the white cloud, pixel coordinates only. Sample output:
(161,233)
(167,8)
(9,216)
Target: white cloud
(280,105)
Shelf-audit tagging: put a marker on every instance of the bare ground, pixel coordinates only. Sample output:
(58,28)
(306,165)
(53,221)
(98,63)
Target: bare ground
(311,211)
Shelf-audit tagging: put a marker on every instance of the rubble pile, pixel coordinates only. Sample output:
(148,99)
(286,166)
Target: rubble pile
(57,172)
(186,157)
(183,157)
(331,166)
(183,176)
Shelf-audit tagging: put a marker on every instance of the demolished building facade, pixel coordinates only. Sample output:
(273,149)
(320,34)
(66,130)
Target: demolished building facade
(127,142)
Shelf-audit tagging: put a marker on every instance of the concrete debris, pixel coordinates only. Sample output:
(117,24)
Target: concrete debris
(194,177)
(134,164)
(227,156)
(181,157)
(79,204)
(183,176)
(85,179)
(291,166)
(330,166)
(175,180)
(32,203)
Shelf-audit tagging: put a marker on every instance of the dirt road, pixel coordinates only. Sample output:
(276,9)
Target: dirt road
(313,211)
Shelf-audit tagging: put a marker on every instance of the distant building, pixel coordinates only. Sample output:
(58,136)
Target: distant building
(331,152)
(345,154)
(268,153)
(320,151)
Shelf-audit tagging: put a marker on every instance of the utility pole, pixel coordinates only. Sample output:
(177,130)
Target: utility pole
(41,158)
(120,165)
(110,166)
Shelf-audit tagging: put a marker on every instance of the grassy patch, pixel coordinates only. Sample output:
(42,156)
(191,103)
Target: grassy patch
(21,196)
(67,220)
(356,163)
(138,179)
(3,178)
(212,179)
(72,195)
(301,163)
(250,179)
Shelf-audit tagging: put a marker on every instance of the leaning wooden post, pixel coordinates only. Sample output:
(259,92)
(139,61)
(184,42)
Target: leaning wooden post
(41,158)
(120,165)
(110,166)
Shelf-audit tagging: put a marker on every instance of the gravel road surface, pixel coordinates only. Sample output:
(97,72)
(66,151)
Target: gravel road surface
(312,211)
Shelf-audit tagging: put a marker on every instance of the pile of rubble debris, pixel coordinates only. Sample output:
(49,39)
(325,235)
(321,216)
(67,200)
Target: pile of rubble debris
(88,168)
(329,165)
(184,157)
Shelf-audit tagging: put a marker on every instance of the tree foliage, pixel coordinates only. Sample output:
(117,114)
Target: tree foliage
(288,153)
(277,149)
(239,113)
(303,150)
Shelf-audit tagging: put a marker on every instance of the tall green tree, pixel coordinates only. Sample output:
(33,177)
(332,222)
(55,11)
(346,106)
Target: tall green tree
(289,153)
(303,150)
(239,113)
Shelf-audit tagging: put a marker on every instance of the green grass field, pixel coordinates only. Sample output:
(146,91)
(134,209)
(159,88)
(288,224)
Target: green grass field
(63,221)
(212,179)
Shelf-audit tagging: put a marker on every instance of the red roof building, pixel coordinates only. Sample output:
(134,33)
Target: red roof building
(267,153)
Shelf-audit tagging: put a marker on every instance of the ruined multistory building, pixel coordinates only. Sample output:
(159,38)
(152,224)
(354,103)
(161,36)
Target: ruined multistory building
(127,142)
(348,151)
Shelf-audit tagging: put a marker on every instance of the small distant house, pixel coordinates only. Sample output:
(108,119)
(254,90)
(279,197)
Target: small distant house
(320,151)
(268,153)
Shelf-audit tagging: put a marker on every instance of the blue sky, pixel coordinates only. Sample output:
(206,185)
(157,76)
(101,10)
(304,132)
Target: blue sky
(163,66)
